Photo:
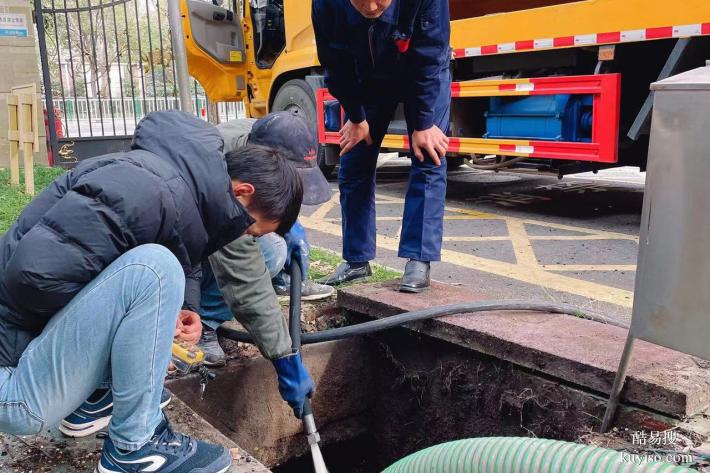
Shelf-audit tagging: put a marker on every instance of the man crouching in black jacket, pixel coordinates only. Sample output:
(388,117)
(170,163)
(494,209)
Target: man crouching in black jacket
(95,271)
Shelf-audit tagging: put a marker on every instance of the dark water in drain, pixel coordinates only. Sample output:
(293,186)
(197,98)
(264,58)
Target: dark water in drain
(354,456)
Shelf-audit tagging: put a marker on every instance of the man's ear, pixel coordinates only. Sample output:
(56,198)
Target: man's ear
(242,189)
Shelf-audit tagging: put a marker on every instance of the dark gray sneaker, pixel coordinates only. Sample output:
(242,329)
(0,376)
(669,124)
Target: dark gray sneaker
(347,273)
(209,344)
(310,291)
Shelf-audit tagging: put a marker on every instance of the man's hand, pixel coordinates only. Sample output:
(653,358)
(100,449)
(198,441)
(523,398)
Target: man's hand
(189,327)
(433,141)
(295,384)
(353,133)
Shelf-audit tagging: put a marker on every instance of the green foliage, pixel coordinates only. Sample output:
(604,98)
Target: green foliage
(13,198)
(87,43)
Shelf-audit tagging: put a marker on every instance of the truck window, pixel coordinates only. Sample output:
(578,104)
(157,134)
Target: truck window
(269,31)
(468,9)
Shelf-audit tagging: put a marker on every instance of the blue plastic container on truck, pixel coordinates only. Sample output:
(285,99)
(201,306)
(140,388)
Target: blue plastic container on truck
(542,117)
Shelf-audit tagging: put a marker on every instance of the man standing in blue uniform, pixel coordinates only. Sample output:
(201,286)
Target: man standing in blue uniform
(376,54)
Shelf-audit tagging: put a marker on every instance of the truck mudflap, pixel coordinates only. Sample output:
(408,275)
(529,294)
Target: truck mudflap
(601,147)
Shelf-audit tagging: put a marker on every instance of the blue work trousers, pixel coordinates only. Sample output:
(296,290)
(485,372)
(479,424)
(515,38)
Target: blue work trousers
(422,226)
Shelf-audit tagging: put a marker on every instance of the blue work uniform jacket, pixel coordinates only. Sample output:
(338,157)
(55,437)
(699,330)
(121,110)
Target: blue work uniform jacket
(402,53)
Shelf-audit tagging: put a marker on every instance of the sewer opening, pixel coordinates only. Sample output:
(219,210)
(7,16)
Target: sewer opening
(423,392)
(357,455)
(380,398)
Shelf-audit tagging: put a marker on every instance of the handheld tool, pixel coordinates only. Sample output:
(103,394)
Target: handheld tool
(188,359)
(294,313)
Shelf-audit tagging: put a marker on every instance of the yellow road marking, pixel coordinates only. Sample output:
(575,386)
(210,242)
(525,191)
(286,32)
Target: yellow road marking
(325,208)
(474,238)
(602,233)
(529,275)
(527,269)
(588,267)
(524,253)
(474,213)
(579,237)
(559,226)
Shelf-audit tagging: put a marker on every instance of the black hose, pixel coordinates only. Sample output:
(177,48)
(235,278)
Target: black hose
(294,307)
(294,323)
(425,314)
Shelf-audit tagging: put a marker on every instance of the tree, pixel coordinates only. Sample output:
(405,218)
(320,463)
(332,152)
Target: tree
(88,39)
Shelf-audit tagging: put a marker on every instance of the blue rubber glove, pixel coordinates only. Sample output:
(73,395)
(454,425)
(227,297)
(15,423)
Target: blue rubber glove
(298,249)
(295,384)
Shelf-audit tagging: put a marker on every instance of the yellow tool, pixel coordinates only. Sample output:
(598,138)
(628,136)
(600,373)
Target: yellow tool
(188,359)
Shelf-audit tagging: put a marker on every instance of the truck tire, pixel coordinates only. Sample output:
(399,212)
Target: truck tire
(454,162)
(296,95)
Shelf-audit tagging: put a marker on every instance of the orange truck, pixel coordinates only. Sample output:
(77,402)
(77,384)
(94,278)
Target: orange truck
(555,85)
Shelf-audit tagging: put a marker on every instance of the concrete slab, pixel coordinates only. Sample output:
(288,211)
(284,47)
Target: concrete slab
(244,403)
(430,391)
(187,421)
(51,452)
(576,351)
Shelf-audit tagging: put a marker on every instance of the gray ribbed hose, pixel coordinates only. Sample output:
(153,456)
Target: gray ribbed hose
(524,455)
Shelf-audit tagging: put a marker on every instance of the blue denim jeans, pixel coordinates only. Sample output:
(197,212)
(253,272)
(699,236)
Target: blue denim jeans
(273,248)
(275,251)
(117,331)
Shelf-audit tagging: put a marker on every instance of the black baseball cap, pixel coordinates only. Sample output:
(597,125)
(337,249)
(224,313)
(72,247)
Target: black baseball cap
(290,131)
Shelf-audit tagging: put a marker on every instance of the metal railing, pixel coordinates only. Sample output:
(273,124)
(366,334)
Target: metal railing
(80,116)
(108,63)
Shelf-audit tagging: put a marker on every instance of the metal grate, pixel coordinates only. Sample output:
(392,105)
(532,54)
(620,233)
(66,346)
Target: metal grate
(108,63)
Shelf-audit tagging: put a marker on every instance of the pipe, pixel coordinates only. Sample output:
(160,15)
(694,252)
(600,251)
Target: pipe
(294,325)
(180,56)
(46,81)
(476,163)
(618,386)
(425,314)
(525,455)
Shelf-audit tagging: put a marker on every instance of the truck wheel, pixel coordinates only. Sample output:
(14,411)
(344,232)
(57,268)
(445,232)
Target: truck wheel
(297,96)
(454,162)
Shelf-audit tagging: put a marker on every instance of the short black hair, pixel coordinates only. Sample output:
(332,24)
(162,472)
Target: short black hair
(278,189)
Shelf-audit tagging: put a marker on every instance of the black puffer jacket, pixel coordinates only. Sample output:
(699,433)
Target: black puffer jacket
(172,189)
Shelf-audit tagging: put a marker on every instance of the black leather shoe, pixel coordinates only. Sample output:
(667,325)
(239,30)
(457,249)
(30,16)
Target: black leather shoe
(416,276)
(346,273)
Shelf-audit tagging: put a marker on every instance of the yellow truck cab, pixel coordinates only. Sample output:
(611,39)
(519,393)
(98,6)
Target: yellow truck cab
(555,85)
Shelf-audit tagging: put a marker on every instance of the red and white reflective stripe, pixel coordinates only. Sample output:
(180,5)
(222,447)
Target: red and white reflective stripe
(680,31)
(524,87)
(519,149)
(603,147)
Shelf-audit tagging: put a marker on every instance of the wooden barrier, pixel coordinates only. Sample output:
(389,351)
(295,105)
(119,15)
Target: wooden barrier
(23,133)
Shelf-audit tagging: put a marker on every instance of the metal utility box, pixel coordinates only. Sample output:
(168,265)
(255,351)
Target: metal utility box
(672,296)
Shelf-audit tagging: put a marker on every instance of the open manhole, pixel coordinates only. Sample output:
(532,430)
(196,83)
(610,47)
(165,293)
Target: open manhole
(354,456)
(382,397)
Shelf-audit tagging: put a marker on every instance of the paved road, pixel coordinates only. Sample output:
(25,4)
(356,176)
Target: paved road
(522,236)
